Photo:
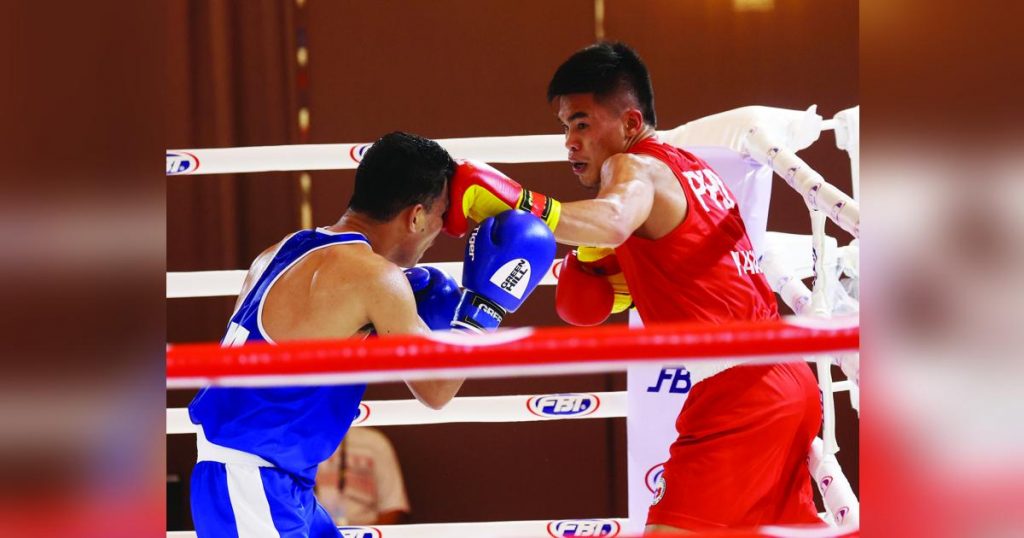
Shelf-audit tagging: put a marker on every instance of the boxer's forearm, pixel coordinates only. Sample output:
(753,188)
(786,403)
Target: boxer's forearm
(601,222)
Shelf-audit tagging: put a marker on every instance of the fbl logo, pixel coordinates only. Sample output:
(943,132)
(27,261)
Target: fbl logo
(653,474)
(678,381)
(362,415)
(583,527)
(181,162)
(360,532)
(357,152)
(563,405)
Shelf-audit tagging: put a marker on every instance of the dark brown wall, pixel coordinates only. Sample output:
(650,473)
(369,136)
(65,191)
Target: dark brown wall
(462,68)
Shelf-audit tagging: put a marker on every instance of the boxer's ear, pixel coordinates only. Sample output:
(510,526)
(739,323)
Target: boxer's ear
(416,219)
(633,121)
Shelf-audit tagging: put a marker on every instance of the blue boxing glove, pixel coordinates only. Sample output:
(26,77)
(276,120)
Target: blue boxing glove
(437,295)
(506,257)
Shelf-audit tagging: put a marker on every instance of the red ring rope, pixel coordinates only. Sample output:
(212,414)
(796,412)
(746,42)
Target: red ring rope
(539,347)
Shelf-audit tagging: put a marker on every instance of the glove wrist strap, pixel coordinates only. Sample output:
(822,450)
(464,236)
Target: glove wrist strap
(477,313)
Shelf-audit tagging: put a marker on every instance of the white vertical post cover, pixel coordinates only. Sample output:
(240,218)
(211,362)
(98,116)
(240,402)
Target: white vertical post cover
(655,394)
(848,138)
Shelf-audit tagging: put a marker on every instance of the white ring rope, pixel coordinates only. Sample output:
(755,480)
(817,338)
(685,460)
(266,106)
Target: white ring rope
(790,254)
(769,135)
(475,409)
(468,409)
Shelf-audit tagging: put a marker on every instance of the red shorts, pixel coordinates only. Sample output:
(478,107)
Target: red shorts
(741,456)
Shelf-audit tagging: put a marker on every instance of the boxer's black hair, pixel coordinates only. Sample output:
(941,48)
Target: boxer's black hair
(605,69)
(398,171)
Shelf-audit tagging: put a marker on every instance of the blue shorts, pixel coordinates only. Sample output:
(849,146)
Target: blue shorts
(237,495)
(231,500)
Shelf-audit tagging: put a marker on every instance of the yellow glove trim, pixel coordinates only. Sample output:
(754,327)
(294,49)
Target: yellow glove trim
(556,213)
(549,213)
(479,203)
(622,302)
(591,254)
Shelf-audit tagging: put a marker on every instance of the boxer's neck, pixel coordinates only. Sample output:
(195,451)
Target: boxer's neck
(384,237)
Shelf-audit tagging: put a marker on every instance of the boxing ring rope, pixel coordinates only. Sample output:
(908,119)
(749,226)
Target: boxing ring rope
(522,351)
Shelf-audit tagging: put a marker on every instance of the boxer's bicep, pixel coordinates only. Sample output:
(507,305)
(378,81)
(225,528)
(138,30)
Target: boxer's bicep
(628,181)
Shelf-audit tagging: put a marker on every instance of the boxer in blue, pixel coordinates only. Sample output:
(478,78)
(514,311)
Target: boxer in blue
(259,448)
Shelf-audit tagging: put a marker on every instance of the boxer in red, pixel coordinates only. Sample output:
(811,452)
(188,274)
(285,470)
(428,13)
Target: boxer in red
(664,231)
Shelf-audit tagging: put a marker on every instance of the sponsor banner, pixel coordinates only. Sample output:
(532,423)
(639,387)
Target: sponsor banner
(563,405)
(654,396)
(584,527)
(523,408)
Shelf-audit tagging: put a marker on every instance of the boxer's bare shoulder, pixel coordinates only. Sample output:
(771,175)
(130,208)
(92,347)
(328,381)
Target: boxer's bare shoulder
(329,293)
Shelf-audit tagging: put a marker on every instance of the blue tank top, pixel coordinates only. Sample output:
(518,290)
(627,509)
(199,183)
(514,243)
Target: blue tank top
(294,428)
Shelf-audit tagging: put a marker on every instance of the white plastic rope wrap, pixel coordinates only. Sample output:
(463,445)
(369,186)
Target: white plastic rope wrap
(790,258)
(795,129)
(841,504)
(772,136)
(817,193)
(847,130)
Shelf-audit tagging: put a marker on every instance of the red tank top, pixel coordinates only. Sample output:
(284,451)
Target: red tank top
(705,269)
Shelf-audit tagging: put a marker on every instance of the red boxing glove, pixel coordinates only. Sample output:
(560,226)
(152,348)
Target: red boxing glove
(603,261)
(582,297)
(478,191)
